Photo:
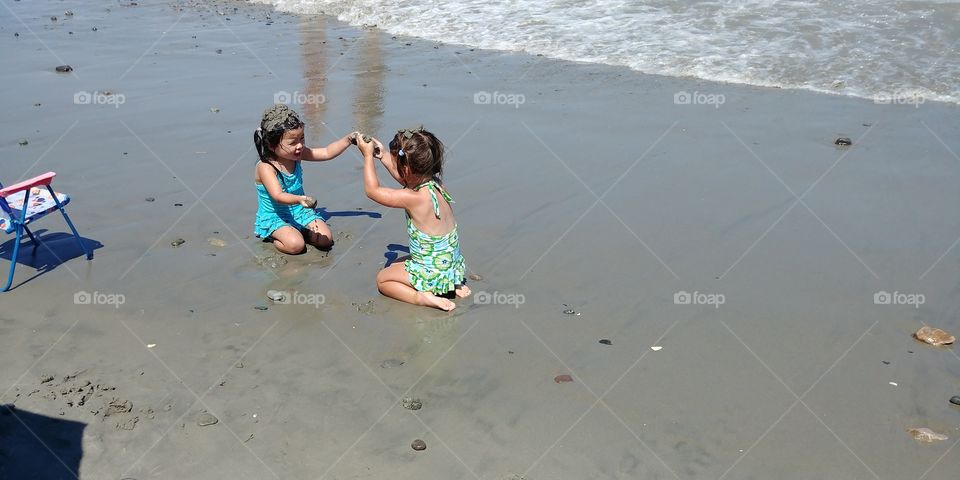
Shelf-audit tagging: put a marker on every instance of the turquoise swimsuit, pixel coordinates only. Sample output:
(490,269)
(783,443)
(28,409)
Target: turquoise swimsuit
(435,264)
(272,215)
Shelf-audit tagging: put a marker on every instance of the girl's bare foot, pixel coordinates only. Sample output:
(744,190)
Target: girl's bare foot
(463,291)
(428,299)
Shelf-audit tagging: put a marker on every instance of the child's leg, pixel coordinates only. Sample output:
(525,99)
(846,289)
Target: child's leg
(288,240)
(394,283)
(319,235)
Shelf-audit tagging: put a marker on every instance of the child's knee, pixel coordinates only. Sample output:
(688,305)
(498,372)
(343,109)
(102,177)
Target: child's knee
(291,245)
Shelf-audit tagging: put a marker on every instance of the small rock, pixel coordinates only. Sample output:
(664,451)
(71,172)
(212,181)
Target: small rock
(934,336)
(843,142)
(418,445)
(68,13)
(175,204)
(94,29)
(260,307)
(214,110)
(571,311)
(219,50)
(475,277)
(277,296)
(308,202)
(176,243)
(216,242)
(64,69)
(23,142)
(206,419)
(150,199)
(606,341)
(563,378)
(46,378)
(656,348)
(926,435)
(53,18)
(955,399)
(411,403)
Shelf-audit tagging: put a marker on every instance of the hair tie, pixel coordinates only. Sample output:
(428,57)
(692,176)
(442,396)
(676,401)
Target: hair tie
(400,153)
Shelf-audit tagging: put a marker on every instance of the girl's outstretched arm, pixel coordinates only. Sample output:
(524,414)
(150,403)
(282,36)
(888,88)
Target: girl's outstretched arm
(331,151)
(268,177)
(388,197)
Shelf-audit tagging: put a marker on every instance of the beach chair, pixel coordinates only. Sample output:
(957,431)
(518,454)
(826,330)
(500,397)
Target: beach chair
(26,202)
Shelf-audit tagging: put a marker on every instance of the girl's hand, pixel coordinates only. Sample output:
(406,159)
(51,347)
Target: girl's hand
(366,146)
(352,137)
(378,148)
(308,202)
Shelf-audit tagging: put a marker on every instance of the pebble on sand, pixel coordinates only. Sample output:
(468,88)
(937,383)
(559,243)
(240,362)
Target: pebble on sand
(176,243)
(23,141)
(606,341)
(391,363)
(64,69)
(278,296)
(563,378)
(206,419)
(411,403)
(934,336)
(418,445)
(843,142)
(475,277)
(955,399)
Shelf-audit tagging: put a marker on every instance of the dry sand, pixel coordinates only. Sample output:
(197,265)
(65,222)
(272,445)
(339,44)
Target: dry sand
(598,194)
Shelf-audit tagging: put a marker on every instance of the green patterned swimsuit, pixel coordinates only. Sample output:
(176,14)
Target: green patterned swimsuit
(435,264)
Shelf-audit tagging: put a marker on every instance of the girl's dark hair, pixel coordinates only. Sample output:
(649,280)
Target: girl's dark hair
(276,120)
(419,151)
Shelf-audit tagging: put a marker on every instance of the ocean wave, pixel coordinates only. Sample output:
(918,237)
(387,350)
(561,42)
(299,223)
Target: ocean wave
(886,50)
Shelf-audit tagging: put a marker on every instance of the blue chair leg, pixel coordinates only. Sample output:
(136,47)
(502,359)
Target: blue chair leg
(13,259)
(76,235)
(35,240)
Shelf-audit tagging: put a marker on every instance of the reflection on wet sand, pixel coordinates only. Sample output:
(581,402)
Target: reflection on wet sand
(314,50)
(369,70)
(368,105)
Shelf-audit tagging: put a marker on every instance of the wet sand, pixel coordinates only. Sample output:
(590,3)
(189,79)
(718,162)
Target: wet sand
(597,195)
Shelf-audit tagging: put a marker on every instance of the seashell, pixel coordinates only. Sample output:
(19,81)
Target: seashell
(926,435)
